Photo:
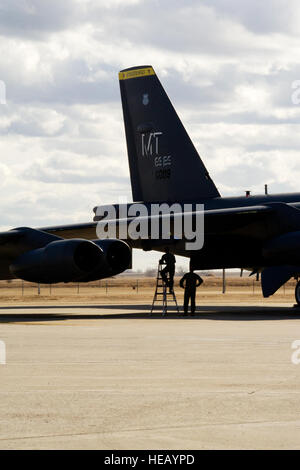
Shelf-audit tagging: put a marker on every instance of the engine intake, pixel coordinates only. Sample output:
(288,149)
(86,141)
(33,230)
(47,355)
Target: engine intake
(117,254)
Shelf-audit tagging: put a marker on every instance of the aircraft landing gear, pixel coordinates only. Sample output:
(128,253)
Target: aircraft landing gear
(297,294)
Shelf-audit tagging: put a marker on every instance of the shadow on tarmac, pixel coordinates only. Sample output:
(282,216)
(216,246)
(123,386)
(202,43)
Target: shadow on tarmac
(141,312)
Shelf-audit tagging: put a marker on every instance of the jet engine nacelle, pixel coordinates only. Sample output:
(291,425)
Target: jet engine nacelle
(72,260)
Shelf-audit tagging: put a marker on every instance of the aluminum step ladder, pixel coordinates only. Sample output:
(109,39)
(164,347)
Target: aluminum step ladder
(162,293)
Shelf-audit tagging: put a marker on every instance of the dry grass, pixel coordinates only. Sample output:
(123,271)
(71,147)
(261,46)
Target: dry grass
(124,289)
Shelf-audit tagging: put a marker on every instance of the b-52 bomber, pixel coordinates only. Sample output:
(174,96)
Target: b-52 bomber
(259,233)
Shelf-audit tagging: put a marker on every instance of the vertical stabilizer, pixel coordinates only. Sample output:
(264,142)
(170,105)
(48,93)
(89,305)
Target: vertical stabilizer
(164,164)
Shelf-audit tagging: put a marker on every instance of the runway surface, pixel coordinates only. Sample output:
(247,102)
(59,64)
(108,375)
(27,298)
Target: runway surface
(111,377)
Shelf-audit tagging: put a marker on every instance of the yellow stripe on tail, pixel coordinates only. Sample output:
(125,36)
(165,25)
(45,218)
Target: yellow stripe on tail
(136,73)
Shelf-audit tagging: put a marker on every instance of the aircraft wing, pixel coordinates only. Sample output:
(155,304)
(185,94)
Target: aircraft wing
(225,220)
(85,230)
(214,219)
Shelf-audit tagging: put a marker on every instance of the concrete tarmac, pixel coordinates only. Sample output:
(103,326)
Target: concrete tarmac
(111,377)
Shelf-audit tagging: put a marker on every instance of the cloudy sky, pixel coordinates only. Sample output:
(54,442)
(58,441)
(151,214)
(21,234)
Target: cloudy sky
(227,65)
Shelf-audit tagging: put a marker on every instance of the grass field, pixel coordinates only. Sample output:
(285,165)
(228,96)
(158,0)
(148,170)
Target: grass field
(137,290)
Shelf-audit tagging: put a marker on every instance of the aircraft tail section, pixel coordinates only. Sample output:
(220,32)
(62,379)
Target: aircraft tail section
(164,164)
